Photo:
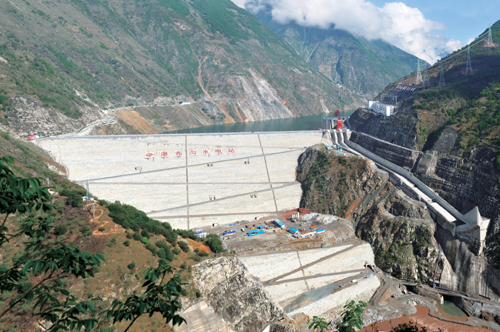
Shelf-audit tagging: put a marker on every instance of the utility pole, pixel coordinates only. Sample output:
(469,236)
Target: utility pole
(489,41)
(418,80)
(468,65)
(441,76)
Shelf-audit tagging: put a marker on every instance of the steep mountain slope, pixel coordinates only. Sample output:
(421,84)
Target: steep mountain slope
(457,128)
(364,66)
(122,241)
(73,58)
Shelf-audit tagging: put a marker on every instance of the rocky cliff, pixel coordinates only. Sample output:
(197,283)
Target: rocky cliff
(236,296)
(399,228)
(400,129)
(463,180)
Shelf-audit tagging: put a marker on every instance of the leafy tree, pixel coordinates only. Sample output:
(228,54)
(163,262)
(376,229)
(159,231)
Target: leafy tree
(48,263)
(159,297)
(351,316)
(131,266)
(318,323)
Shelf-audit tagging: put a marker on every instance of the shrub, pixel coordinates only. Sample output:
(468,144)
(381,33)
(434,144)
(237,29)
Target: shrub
(145,240)
(74,197)
(175,251)
(126,243)
(184,246)
(101,229)
(145,233)
(131,266)
(60,229)
(86,231)
(136,236)
(214,243)
(111,242)
(198,293)
(129,236)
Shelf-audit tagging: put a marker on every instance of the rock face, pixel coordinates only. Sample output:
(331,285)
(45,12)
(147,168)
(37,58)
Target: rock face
(399,229)
(400,129)
(465,271)
(464,182)
(27,117)
(403,157)
(236,296)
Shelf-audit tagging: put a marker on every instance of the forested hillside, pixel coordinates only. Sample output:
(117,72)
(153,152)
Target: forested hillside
(74,58)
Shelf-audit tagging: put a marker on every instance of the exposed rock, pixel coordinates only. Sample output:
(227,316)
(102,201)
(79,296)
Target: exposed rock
(399,228)
(27,117)
(235,295)
(400,128)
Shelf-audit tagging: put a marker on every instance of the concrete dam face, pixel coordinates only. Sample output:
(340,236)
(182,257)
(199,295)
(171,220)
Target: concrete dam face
(190,181)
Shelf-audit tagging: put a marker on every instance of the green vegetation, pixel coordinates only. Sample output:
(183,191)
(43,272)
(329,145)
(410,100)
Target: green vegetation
(62,70)
(211,240)
(51,262)
(74,197)
(351,316)
(184,246)
(468,103)
(326,185)
(130,218)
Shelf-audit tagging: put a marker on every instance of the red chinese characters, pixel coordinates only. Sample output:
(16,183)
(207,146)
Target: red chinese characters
(230,150)
(205,151)
(164,154)
(218,151)
(192,152)
(178,153)
(149,155)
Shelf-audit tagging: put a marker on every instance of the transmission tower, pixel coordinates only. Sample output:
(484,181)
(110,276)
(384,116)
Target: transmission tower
(441,76)
(425,80)
(489,41)
(419,74)
(469,65)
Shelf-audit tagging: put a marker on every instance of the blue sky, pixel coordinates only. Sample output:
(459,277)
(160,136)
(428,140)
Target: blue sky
(463,19)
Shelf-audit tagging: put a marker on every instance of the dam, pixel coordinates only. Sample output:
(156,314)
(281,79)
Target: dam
(189,180)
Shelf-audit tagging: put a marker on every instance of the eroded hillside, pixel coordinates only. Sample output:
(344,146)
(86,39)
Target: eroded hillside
(71,59)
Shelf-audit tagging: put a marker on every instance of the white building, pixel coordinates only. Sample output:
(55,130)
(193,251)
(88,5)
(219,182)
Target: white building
(378,107)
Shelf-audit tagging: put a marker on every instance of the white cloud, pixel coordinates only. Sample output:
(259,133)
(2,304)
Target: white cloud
(395,22)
